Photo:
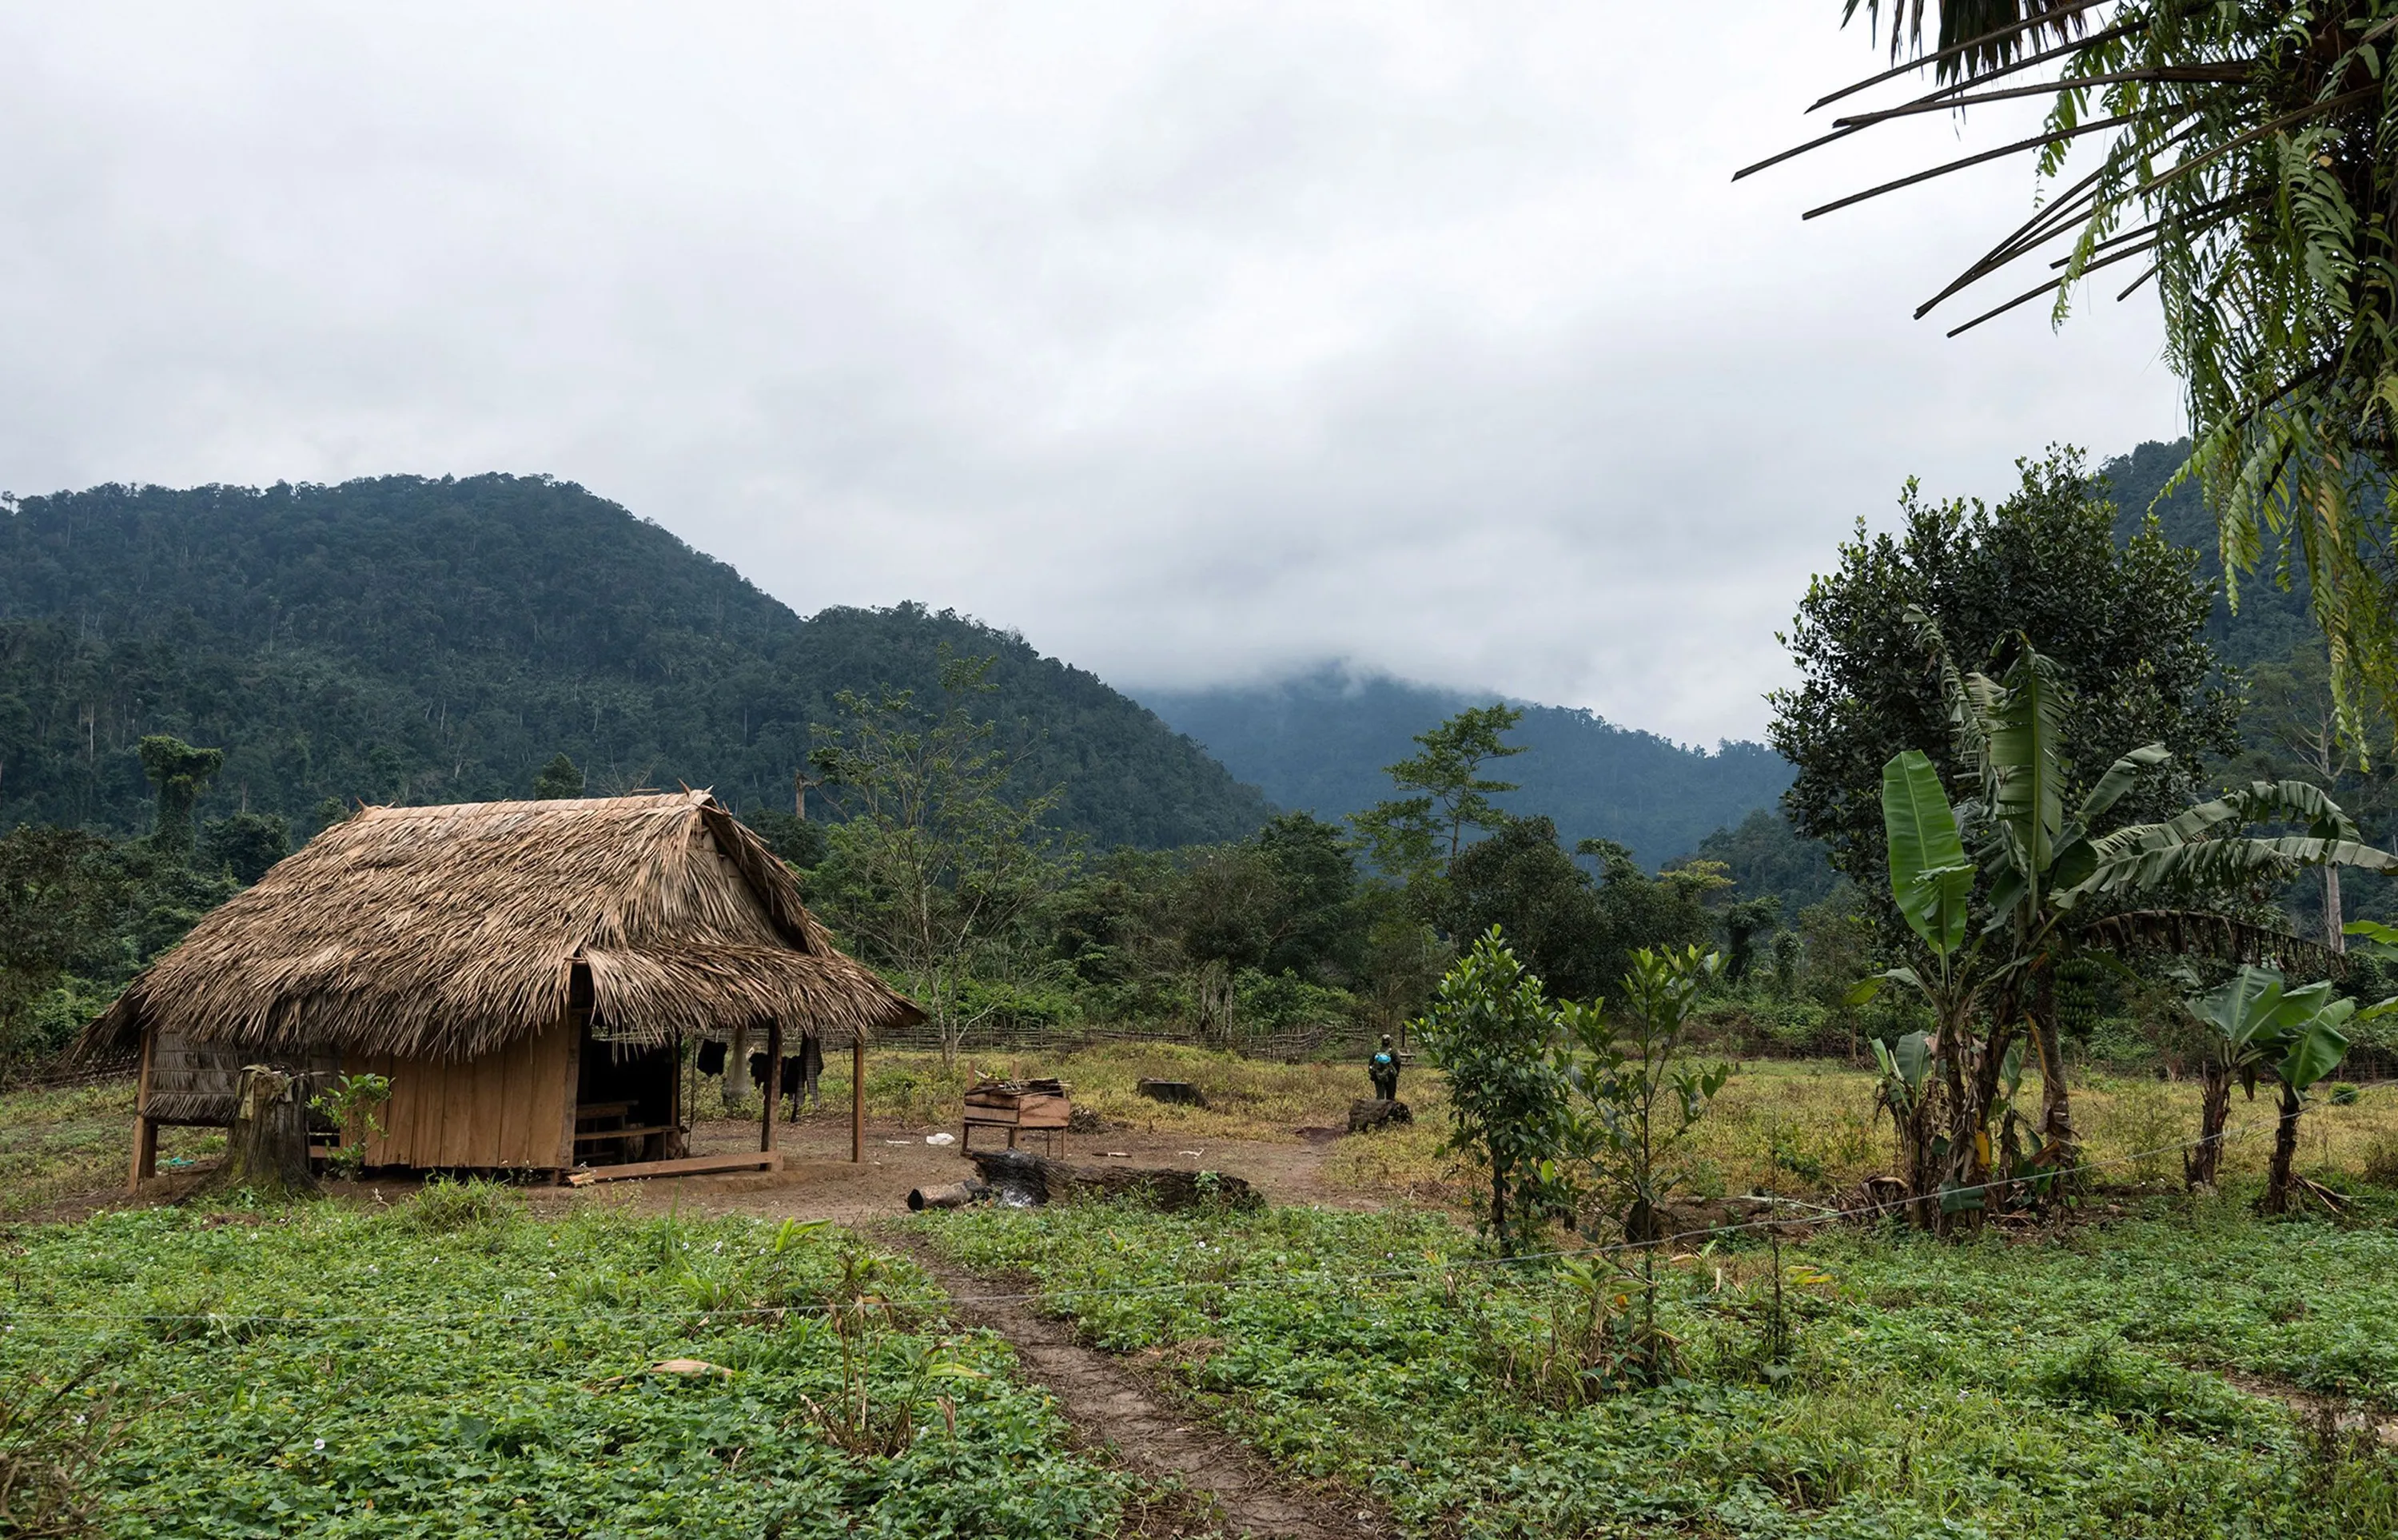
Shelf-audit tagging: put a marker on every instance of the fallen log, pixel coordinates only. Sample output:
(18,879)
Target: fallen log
(1028,1178)
(955,1196)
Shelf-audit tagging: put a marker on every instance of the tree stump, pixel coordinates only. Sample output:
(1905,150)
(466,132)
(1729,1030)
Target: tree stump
(267,1149)
(1368,1114)
(1029,1178)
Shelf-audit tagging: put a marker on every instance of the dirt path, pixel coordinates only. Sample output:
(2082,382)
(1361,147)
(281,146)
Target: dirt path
(1109,1403)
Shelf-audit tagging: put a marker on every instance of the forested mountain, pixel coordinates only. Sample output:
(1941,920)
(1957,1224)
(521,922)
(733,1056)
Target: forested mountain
(2272,621)
(405,639)
(1319,742)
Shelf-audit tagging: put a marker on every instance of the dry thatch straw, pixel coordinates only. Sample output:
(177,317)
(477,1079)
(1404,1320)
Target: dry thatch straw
(450,932)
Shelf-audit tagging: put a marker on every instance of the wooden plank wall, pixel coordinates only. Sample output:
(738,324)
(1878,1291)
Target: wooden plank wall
(502,1109)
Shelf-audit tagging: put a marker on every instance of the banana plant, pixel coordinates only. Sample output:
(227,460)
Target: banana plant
(2052,884)
(2261,1026)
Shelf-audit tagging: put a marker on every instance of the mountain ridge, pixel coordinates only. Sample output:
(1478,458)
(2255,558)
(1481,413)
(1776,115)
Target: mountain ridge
(412,639)
(1317,741)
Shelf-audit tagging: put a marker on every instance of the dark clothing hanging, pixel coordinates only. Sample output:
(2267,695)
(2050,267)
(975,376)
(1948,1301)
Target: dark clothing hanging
(811,1065)
(792,1063)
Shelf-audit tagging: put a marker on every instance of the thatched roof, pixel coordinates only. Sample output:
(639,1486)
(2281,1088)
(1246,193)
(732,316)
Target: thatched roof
(452,931)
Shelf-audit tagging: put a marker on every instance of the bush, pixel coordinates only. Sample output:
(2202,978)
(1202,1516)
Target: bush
(445,1207)
(2343,1093)
(1283,1002)
(1010,1005)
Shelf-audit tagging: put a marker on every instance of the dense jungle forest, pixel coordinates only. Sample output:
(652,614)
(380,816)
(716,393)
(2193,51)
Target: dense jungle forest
(402,639)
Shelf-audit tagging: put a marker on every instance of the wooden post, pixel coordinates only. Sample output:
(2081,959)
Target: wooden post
(575,1025)
(145,1128)
(857,1099)
(773,1083)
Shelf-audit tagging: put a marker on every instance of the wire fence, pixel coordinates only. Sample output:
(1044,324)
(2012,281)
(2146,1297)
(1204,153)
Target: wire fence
(1280,1276)
(1294,1045)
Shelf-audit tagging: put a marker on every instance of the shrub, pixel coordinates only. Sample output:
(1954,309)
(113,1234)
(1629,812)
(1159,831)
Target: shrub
(445,1207)
(2343,1093)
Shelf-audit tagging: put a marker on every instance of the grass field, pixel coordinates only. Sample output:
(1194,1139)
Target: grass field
(450,1368)
(1806,1127)
(61,1143)
(451,1365)
(1997,1388)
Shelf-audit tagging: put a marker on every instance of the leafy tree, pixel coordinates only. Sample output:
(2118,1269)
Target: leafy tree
(800,843)
(1492,1029)
(245,845)
(1414,838)
(1630,1069)
(56,890)
(1662,911)
(559,779)
(1743,923)
(1519,881)
(178,773)
(2043,569)
(2245,165)
(2045,880)
(934,869)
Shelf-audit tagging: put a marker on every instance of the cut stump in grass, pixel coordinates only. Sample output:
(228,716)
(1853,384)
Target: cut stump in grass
(1030,1178)
(267,1149)
(1366,1114)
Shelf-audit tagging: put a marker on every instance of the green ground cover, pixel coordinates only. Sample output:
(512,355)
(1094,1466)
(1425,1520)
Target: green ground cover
(2027,1387)
(449,1366)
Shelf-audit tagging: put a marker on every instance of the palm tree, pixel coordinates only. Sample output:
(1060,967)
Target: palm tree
(2243,164)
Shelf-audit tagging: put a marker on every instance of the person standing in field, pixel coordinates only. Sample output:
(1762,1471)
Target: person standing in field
(1384,1070)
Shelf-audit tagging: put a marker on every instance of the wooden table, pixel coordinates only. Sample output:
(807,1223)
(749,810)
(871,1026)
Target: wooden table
(1019,1109)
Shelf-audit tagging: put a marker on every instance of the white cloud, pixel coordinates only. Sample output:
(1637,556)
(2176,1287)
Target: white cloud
(1194,343)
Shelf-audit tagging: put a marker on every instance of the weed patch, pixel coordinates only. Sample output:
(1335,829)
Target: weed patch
(456,1368)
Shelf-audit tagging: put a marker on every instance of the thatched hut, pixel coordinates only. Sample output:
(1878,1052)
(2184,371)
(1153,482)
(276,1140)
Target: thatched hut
(525,973)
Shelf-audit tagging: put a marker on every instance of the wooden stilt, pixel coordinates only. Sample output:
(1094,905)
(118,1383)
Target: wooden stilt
(774,1084)
(145,1129)
(857,1102)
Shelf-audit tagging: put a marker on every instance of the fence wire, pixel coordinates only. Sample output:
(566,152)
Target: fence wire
(1065,1296)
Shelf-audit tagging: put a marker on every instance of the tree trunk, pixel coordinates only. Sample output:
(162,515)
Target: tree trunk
(2200,1163)
(266,1151)
(2058,1147)
(1499,1204)
(2334,936)
(1034,1179)
(2285,1150)
(1967,1140)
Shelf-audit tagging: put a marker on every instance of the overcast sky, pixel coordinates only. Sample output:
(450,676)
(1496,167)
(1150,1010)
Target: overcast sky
(1198,342)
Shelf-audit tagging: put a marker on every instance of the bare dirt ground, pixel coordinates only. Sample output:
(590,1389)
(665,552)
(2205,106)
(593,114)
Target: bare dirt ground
(818,1182)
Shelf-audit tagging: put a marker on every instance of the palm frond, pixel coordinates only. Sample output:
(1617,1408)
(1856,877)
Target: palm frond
(2186,933)
(2146,859)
